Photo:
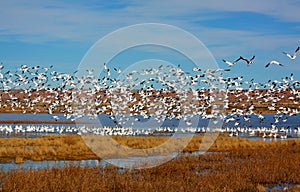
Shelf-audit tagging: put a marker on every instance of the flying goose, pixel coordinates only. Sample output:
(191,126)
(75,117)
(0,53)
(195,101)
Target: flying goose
(249,62)
(273,62)
(292,57)
(229,63)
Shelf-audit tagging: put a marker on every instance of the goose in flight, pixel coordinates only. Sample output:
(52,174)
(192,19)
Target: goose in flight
(117,70)
(273,62)
(229,63)
(292,57)
(249,62)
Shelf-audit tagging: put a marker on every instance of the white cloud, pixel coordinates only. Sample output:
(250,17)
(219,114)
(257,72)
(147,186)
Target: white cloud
(50,20)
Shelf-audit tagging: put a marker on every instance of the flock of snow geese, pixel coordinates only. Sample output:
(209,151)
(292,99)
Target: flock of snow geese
(272,62)
(164,93)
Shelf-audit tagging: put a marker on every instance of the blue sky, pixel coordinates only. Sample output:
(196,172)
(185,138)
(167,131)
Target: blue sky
(60,32)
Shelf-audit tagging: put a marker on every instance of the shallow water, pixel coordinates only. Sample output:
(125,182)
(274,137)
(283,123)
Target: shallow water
(29,164)
(196,121)
(137,120)
(127,162)
(280,187)
(121,162)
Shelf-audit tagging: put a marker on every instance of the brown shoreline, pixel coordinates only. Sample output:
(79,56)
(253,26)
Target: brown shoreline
(235,100)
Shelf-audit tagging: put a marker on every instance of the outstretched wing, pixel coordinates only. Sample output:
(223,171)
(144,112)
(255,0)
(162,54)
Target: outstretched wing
(238,59)
(297,50)
(287,54)
(242,58)
(228,62)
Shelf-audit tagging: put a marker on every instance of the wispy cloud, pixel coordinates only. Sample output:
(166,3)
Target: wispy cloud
(74,21)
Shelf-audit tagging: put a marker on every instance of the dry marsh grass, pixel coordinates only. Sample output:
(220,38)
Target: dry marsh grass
(51,147)
(239,169)
(73,147)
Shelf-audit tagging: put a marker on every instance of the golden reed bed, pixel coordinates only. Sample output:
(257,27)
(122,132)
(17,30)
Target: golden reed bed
(246,166)
(72,147)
